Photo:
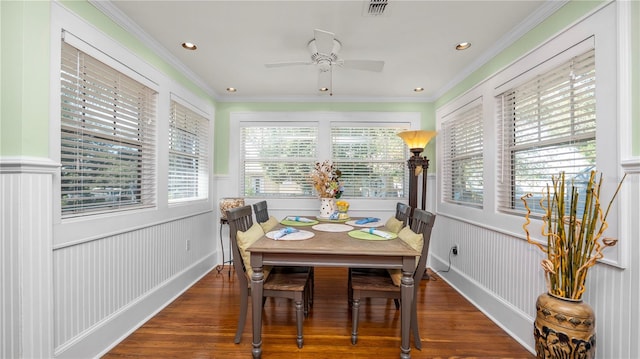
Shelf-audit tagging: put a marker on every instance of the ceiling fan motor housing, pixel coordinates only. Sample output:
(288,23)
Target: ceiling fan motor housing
(324,61)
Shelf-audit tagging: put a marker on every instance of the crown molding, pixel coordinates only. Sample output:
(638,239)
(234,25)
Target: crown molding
(112,12)
(543,12)
(533,20)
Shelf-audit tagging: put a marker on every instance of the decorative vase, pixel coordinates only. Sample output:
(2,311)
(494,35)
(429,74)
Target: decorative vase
(228,203)
(343,208)
(327,207)
(564,328)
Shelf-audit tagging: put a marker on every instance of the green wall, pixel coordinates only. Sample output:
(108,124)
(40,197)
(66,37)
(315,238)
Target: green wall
(224,109)
(24,78)
(24,70)
(24,75)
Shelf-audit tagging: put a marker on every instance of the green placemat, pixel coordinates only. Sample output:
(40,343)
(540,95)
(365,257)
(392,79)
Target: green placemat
(370,237)
(286,222)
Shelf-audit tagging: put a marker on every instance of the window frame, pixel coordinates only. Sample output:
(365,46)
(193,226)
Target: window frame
(72,231)
(507,150)
(368,162)
(203,156)
(324,121)
(450,120)
(601,25)
(90,127)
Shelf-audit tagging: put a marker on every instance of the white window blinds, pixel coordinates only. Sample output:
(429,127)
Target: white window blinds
(462,156)
(372,160)
(188,154)
(548,125)
(107,137)
(277,160)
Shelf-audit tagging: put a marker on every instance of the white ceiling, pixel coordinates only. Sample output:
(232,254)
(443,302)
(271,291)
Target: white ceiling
(415,39)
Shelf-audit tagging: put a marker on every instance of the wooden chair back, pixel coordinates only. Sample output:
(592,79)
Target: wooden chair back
(422,222)
(240,219)
(261,211)
(403,212)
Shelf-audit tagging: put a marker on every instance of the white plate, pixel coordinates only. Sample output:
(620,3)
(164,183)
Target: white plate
(295,236)
(332,227)
(368,225)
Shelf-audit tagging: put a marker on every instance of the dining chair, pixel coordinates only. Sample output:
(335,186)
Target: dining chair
(394,224)
(281,282)
(387,284)
(400,219)
(261,211)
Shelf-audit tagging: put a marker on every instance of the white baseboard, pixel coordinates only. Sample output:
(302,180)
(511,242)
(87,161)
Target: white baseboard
(513,321)
(108,333)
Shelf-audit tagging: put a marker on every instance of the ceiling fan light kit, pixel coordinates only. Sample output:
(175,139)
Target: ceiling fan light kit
(324,49)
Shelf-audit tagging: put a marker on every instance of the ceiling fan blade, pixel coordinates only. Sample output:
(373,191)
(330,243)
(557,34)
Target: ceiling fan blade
(324,41)
(367,65)
(288,63)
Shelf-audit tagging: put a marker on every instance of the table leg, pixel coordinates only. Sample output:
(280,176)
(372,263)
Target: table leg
(257,282)
(406,293)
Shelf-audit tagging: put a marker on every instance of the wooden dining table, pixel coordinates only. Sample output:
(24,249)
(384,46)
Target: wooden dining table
(332,249)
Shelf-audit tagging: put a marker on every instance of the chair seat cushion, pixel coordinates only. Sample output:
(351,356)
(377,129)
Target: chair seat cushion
(416,242)
(394,225)
(245,239)
(271,223)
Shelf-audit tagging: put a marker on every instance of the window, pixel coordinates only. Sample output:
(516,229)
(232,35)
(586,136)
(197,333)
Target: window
(372,160)
(107,137)
(278,150)
(462,156)
(548,125)
(278,159)
(188,154)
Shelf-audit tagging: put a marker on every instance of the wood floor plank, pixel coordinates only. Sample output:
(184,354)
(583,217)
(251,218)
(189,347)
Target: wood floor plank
(201,323)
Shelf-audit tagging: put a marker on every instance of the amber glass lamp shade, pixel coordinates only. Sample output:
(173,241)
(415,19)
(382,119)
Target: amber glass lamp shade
(417,140)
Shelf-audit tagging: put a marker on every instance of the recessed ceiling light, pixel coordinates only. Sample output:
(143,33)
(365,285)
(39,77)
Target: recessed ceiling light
(323,89)
(189,46)
(231,89)
(418,89)
(463,46)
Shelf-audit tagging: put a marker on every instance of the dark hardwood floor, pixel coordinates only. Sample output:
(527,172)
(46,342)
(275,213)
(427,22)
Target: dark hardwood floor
(201,323)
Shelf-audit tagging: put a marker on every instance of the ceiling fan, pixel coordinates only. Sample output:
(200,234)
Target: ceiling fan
(324,48)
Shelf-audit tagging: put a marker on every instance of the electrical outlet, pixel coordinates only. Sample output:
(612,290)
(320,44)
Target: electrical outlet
(454,249)
(188,245)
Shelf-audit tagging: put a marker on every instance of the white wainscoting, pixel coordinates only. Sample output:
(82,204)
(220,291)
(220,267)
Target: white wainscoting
(501,275)
(25,257)
(80,300)
(101,285)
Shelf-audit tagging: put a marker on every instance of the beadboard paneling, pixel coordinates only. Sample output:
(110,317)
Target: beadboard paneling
(97,280)
(25,258)
(502,276)
(9,271)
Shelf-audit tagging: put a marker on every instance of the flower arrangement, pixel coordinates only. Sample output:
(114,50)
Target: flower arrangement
(574,244)
(326,180)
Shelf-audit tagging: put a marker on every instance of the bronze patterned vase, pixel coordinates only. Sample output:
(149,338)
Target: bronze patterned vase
(564,328)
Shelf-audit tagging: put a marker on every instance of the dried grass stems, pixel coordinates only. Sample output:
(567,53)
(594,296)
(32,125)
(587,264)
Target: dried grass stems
(573,244)
(326,180)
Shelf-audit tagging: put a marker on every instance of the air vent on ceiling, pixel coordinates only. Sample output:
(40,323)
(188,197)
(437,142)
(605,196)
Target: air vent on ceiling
(375,7)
